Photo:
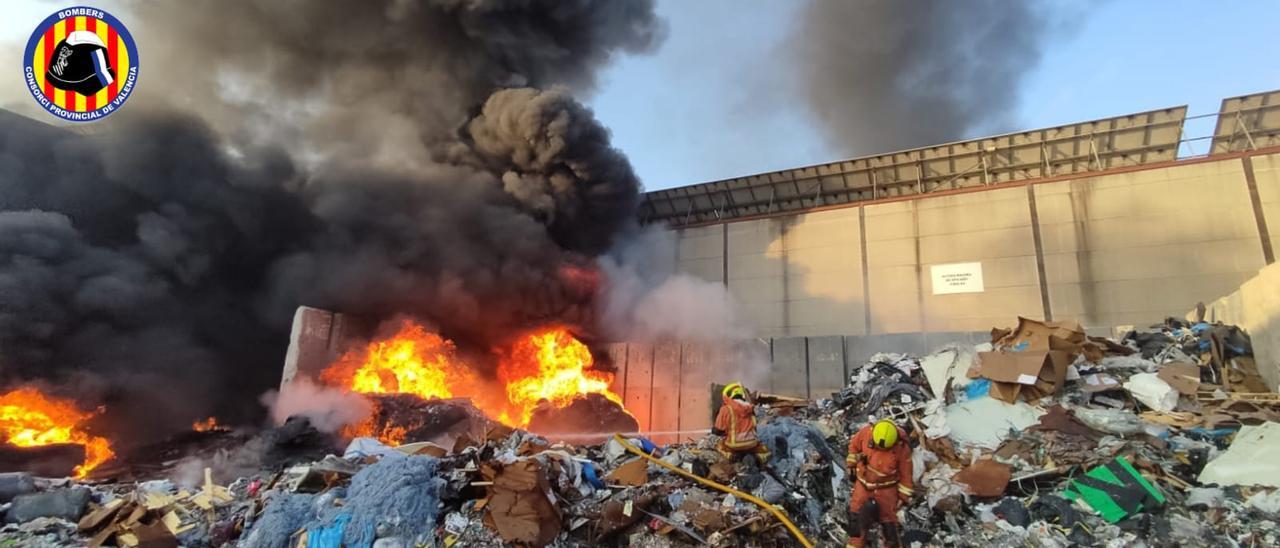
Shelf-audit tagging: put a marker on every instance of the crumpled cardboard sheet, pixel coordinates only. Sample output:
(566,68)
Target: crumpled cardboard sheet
(634,472)
(985,478)
(1034,335)
(1250,460)
(521,507)
(1183,377)
(1060,419)
(1032,374)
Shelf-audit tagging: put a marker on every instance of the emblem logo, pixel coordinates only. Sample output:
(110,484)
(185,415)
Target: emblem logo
(81,64)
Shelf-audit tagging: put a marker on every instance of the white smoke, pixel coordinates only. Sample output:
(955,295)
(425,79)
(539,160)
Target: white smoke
(645,299)
(328,409)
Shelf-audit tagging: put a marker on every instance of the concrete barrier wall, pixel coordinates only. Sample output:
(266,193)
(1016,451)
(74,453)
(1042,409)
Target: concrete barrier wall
(667,386)
(1126,247)
(1135,247)
(1255,307)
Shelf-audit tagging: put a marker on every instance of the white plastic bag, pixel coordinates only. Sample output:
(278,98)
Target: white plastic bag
(1152,391)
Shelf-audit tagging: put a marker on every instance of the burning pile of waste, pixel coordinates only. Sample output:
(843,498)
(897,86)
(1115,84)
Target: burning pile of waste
(1153,437)
(546,381)
(41,432)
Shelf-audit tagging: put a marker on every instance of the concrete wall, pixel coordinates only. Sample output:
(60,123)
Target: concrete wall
(906,239)
(667,386)
(1122,247)
(1132,248)
(1255,307)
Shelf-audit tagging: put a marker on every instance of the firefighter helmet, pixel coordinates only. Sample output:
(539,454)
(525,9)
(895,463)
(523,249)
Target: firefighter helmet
(734,390)
(80,63)
(884,434)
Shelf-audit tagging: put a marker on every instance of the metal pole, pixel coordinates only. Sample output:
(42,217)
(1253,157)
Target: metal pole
(1245,128)
(982,157)
(1093,149)
(1046,169)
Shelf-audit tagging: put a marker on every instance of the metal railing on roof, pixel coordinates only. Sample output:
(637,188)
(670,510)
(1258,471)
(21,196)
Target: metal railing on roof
(1244,123)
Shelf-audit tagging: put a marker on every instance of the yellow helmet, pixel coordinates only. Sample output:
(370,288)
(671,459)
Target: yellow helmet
(884,434)
(734,390)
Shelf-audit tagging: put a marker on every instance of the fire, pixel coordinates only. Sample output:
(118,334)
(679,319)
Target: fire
(544,365)
(550,365)
(208,425)
(29,418)
(413,361)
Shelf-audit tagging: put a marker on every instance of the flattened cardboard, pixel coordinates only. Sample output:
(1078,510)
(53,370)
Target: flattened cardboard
(1183,377)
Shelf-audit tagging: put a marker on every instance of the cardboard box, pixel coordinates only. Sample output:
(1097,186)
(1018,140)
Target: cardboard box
(1033,374)
(1035,335)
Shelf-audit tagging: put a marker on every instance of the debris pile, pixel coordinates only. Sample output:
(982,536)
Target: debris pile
(1044,436)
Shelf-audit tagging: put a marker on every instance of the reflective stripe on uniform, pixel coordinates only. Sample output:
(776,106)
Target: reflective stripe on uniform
(877,486)
(731,437)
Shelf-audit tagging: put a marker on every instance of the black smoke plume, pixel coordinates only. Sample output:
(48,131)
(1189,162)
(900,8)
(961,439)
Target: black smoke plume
(380,158)
(884,75)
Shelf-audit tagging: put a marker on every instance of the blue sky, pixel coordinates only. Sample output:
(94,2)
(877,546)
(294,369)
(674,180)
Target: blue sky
(705,106)
(687,114)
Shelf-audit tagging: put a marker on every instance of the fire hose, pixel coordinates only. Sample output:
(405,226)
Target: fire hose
(777,512)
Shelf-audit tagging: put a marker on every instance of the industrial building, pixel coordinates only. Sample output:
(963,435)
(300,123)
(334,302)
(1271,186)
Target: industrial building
(1109,223)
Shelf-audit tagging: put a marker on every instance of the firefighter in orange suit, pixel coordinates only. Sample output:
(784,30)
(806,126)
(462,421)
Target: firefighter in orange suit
(879,462)
(737,423)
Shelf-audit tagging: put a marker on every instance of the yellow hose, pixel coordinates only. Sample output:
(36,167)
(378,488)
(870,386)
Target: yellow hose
(777,512)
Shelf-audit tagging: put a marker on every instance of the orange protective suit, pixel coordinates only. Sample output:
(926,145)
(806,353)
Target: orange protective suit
(737,419)
(880,475)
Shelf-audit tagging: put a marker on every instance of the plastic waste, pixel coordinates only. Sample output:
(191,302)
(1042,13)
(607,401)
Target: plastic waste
(1115,421)
(369,447)
(978,388)
(1264,501)
(1152,391)
(328,536)
(1205,497)
(589,473)
(1250,460)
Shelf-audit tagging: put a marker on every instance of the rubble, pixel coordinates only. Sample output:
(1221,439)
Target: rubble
(65,504)
(13,484)
(1044,437)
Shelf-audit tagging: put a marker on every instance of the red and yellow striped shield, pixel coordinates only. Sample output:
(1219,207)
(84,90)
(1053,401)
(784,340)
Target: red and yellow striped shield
(81,64)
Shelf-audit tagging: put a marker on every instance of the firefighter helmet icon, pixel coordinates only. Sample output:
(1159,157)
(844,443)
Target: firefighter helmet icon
(79,63)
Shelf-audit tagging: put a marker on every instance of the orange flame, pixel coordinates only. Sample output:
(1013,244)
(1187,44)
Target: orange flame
(29,418)
(208,425)
(413,361)
(548,364)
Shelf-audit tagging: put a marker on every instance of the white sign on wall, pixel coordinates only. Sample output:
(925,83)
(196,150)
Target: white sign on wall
(956,278)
